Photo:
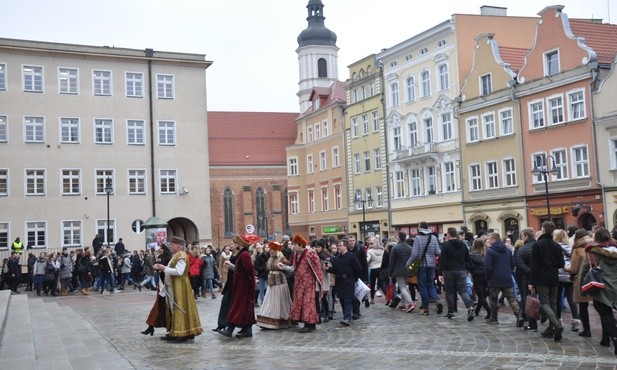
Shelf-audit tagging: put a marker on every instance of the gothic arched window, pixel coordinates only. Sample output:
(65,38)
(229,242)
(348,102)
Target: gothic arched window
(260,208)
(322,68)
(228,200)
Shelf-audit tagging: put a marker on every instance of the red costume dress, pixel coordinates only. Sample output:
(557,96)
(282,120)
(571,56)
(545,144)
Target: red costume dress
(307,273)
(242,310)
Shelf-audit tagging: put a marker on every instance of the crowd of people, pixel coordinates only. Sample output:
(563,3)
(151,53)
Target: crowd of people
(282,285)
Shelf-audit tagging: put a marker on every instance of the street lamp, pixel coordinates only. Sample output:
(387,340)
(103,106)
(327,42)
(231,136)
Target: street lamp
(544,171)
(359,200)
(108,190)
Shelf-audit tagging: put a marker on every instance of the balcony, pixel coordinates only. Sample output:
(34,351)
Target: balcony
(422,150)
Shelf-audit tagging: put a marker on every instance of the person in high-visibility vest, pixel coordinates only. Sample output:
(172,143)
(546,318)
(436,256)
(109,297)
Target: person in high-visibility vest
(17,246)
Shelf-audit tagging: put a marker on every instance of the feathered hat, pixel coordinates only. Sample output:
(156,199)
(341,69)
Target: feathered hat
(275,246)
(297,239)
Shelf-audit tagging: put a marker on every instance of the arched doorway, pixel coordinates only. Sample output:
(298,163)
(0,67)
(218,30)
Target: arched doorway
(184,228)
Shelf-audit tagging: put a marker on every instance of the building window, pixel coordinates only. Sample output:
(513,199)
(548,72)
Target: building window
(505,122)
(379,197)
(354,128)
(367,161)
(581,161)
(446,126)
(539,161)
(426,83)
(394,94)
(322,68)
(486,84)
(365,129)
(415,182)
(293,166)
(36,234)
(375,115)
(338,197)
(134,84)
(377,156)
(449,177)
(135,132)
(444,83)
(431,178)
(293,203)
(354,96)
(317,131)
(475,177)
(410,88)
(356,164)
(71,182)
(71,233)
(536,114)
(488,123)
(137,181)
(103,131)
(561,164)
(103,178)
(323,165)
(325,204)
(167,133)
(325,129)
(102,83)
(551,62)
(260,210)
(613,153)
(35,182)
(311,200)
(4,182)
(509,172)
(413,133)
(109,233)
(335,157)
(309,134)
(68,81)
(4,235)
(228,211)
(309,164)
(4,129)
(165,86)
(34,129)
(2,77)
(492,176)
(363,92)
(33,78)
(357,199)
(69,129)
(473,133)
(576,104)
(555,107)
(399,184)
(429,137)
(168,181)
(368,197)
(397,138)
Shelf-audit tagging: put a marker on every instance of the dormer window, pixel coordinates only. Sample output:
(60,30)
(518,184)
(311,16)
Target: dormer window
(551,63)
(316,104)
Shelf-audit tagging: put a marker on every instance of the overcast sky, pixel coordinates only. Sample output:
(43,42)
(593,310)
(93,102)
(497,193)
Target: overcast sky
(252,43)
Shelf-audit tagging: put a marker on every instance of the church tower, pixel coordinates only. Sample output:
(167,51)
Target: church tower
(317,55)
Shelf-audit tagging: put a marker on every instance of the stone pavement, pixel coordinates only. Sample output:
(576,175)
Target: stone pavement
(102,331)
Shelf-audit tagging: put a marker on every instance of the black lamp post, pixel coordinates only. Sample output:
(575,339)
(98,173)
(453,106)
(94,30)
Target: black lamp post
(544,171)
(108,190)
(359,200)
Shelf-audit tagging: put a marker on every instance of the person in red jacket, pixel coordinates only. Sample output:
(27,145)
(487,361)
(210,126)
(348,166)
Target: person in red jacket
(195,263)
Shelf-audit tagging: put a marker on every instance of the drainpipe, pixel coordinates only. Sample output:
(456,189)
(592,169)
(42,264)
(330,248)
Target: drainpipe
(594,78)
(150,55)
(459,101)
(513,97)
(385,136)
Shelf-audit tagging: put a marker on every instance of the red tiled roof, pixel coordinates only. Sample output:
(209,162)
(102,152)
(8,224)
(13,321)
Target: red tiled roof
(601,37)
(250,138)
(513,56)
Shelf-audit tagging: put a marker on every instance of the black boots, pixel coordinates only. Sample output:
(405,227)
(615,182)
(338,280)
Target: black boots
(246,332)
(150,330)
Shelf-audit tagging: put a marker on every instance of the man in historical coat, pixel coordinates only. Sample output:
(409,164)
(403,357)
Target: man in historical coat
(307,277)
(242,310)
(182,318)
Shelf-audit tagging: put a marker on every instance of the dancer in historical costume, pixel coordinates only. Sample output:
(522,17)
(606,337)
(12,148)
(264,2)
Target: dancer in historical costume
(275,311)
(306,267)
(229,266)
(156,318)
(182,318)
(242,310)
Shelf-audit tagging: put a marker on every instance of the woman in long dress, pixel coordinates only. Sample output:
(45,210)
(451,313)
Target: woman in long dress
(275,313)
(156,318)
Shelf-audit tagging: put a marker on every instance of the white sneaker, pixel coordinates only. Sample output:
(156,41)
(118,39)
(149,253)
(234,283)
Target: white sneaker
(117,291)
(576,325)
(378,294)
(105,292)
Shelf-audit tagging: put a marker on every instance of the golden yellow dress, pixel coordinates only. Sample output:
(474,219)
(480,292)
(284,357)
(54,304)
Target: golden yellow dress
(182,316)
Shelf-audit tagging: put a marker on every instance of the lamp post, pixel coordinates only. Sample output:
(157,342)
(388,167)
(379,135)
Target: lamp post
(108,190)
(360,200)
(544,171)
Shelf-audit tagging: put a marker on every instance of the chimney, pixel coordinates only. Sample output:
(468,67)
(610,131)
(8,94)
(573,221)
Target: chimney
(493,10)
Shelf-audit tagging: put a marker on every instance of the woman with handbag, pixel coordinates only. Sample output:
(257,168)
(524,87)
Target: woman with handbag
(581,240)
(602,253)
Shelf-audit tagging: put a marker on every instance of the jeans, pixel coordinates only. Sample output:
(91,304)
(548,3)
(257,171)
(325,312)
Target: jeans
(149,279)
(208,285)
(124,277)
(405,294)
(455,282)
(104,279)
(262,289)
(568,290)
(547,295)
(428,293)
(38,283)
(508,292)
(347,308)
(374,281)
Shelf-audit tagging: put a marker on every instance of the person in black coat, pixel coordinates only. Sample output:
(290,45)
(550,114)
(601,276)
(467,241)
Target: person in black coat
(478,275)
(523,268)
(347,269)
(14,272)
(546,260)
(357,248)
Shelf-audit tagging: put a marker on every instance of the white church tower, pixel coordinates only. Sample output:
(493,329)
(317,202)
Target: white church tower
(317,55)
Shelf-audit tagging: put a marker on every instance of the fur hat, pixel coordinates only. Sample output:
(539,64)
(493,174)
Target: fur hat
(275,246)
(241,241)
(252,239)
(178,240)
(297,239)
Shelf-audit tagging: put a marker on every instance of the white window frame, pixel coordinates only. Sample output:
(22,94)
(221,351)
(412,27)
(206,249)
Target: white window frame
(492,175)
(397,138)
(367,161)
(294,208)
(70,130)
(355,128)
(311,200)
(101,82)
(165,86)
(431,179)
(538,159)
(5,240)
(560,155)
(3,78)
(415,182)
(371,89)
(166,133)
(325,203)
(136,181)
(509,172)
(444,77)
(101,175)
(134,84)
(357,168)
(71,231)
(34,129)
(486,84)
(375,119)
(72,178)
(4,182)
(36,180)
(323,161)
(410,89)
(378,196)
(103,131)
(429,130)
(394,95)
(559,108)
(425,78)
(292,166)
(4,129)
(310,165)
(489,129)
(309,134)
(449,177)
(377,158)
(37,228)
(33,78)
(168,181)
(580,167)
(68,81)
(412,128)
(318,131)
(612,145)
(506,122)
(338,197)
(399,184)
(336,159)
(447,129)
(365,126)
(548,64)
(325,129)
(135,132)
(537,117)
(475,177)
(102,228)
(473,129)
(572,105)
